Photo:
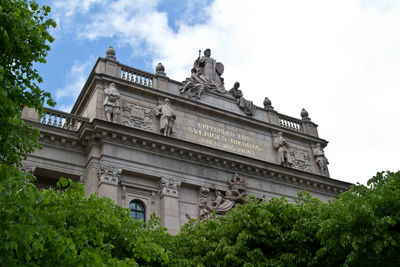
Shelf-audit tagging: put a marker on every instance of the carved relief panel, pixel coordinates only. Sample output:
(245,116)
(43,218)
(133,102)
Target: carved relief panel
(222,202)
(137,116)
(299,159)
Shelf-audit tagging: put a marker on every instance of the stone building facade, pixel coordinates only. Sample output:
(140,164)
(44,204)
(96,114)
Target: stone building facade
(179,150)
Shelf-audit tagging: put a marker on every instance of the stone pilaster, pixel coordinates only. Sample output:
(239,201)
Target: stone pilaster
(170,204)
(108,181)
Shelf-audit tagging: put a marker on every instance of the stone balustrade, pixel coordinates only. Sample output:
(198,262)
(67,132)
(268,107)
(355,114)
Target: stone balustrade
(290,123)
(136,76)
(61,119)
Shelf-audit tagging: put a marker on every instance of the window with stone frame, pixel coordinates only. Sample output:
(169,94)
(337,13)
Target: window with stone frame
(138,211)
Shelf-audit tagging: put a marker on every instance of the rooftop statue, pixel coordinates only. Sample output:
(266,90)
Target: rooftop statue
(247,106)
(206,75)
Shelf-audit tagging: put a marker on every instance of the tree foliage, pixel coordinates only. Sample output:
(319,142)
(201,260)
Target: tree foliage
(49,228)
(360,228)
(24,40)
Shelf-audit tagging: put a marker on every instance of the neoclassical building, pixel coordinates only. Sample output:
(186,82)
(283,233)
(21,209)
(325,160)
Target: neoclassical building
(180,150)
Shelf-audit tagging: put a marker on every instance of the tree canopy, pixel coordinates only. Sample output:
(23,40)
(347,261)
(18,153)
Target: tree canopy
(24,40)
(360,228)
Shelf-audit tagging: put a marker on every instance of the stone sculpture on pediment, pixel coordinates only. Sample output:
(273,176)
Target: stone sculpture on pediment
(137,116)
(245,105)
(321,160)
(222,202)
(111,103)
(281,147)
(167,117)
(205,75)
(194,86)
(109,174)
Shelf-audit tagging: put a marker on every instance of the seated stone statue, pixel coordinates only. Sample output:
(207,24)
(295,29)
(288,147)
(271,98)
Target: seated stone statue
(205,75)
(247,106)
(194,85)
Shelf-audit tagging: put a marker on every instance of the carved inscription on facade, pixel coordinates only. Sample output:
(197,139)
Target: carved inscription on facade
(217,137)
(137,116)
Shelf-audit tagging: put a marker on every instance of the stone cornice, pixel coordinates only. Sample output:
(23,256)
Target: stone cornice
(197,154)
(103,131)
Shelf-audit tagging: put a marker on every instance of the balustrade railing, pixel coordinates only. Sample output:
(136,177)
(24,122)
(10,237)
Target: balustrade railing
(62,120)
(290,123)
(136,76)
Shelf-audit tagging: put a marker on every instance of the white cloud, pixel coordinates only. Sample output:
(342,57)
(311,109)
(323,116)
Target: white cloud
(338,59)
(74,81)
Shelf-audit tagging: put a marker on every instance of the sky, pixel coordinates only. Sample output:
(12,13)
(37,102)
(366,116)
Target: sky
(338,59)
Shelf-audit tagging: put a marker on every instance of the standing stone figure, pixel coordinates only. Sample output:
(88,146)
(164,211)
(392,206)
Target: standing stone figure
(167,117)
(212,73)
(111,103)
(281,147)
(321,160)
(246,105)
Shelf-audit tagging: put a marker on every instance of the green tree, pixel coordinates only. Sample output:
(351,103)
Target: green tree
(360,228)
(24,40)
(49,228)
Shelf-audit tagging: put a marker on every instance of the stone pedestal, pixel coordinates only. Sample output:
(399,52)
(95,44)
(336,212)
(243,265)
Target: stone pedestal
(161,82)
(30,114)
(310,128)
(273,117)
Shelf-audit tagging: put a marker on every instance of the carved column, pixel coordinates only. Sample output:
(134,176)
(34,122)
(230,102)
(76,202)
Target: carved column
(170,204)
(108,181)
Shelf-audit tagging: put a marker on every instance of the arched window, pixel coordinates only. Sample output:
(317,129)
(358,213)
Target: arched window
(137,210)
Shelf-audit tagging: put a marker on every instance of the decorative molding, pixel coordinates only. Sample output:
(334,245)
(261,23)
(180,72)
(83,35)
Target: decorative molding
(169,187)
(109,175)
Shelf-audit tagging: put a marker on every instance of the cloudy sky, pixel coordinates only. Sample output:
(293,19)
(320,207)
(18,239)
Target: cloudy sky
(339,59)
